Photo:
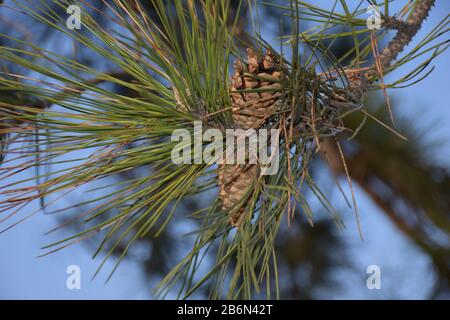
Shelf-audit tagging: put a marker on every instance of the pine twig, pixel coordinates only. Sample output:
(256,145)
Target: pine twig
(406,30)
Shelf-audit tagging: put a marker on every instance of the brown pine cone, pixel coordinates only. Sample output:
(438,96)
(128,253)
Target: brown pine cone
(250,111)
(234,182)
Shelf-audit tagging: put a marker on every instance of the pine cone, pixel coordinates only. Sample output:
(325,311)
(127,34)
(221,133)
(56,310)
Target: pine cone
(250,111)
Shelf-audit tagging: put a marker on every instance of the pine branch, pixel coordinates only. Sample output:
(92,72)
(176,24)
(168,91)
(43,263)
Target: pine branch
(406,30)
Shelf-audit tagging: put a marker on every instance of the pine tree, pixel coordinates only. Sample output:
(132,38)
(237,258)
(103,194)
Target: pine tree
(177,66)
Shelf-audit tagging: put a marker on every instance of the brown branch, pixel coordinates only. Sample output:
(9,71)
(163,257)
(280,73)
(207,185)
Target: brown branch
(406,30)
